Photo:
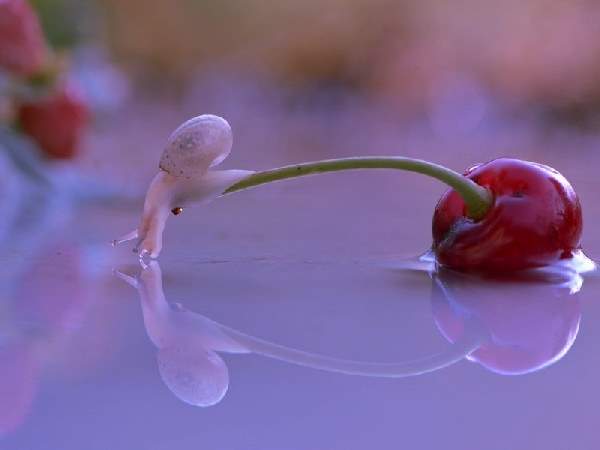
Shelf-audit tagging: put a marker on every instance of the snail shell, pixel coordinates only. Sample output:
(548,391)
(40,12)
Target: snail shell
(197,145)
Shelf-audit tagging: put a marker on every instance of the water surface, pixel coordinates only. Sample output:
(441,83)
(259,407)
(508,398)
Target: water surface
(310,265)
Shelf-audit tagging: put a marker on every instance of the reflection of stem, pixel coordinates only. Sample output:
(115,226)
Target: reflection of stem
(163,326)
(470,342)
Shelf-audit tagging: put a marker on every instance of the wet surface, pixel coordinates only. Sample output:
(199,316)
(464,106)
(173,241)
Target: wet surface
(259,286)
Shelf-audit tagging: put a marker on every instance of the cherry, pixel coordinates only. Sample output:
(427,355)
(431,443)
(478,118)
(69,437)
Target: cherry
(535,219)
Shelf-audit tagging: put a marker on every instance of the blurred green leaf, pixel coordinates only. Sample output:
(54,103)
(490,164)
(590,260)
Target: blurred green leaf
(62,21)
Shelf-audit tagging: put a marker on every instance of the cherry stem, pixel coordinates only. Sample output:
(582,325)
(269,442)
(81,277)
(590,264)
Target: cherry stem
(477,198)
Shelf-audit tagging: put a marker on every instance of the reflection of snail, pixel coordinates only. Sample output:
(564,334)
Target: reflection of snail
(532,328)
(188,343)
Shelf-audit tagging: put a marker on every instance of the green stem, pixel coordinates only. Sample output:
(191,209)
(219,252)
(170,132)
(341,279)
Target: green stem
(477,198)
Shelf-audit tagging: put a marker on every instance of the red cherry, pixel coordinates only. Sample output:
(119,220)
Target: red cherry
(23,49)
(535,220)
(56,122)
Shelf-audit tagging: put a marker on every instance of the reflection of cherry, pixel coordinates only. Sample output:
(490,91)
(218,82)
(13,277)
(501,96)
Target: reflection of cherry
(532,320)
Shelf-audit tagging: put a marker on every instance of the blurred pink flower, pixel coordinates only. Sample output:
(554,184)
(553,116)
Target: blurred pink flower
(57,121)
(23,49)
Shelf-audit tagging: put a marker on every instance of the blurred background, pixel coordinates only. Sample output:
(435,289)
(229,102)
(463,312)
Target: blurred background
(428,78)
(90,91)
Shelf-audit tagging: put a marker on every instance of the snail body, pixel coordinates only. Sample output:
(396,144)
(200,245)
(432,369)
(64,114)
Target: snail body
(185,177)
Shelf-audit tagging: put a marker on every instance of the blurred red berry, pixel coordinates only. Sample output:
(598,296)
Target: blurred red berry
(23,48)
(56,122)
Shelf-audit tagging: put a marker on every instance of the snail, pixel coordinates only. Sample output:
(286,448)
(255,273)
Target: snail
(185,175)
